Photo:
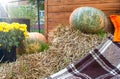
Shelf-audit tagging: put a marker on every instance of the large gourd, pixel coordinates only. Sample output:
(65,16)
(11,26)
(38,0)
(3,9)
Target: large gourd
(88,19)
(37,36)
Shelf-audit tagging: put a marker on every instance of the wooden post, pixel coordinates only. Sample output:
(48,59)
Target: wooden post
(46,19)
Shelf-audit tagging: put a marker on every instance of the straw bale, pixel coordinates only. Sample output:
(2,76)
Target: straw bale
(66,45)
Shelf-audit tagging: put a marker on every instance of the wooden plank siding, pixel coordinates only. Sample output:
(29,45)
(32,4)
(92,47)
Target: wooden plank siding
(58,11)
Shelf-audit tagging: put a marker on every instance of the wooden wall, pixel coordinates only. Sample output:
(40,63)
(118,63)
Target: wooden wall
(58,11)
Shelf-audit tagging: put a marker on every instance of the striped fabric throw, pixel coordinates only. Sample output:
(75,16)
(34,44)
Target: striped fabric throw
(103,62)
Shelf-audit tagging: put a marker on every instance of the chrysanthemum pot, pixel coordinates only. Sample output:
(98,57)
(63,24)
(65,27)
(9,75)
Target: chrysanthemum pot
(6,56)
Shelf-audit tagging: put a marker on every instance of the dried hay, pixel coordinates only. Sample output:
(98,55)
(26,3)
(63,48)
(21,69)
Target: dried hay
(66,45)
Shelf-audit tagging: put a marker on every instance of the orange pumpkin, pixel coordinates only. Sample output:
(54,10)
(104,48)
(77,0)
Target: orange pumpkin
(37,36)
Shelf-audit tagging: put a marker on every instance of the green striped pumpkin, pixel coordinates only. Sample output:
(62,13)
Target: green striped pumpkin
(88,19)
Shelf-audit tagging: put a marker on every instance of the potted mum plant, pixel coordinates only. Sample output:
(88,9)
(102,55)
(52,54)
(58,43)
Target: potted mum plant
(11,35)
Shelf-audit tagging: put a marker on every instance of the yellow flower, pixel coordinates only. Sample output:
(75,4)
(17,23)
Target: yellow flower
(23,27)
(1,28)
(0,45)
(26,34)
(5,30)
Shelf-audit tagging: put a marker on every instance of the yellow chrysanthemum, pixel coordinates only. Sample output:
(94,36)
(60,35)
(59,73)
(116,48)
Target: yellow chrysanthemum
(0,45)
(5,30)
(26,34)
(1,28)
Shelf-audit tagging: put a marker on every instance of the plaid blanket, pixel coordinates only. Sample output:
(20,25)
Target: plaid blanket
(103,62)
